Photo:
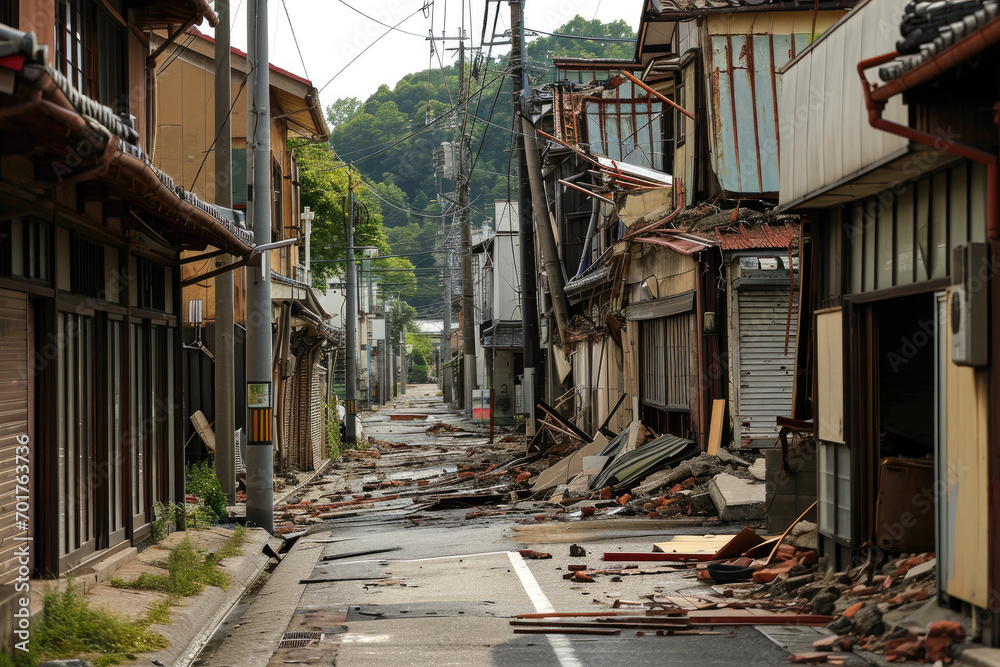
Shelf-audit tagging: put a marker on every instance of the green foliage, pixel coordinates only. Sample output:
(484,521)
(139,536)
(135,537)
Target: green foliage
(71,628)
(324,182)
(541,50)
(188,572)
(202,481)
(165,519)
(333,441)
(366,135)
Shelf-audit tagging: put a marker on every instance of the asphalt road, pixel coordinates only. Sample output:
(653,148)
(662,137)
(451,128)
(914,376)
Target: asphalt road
(446,593)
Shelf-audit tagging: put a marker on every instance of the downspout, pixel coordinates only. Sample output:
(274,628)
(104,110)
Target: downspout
(875,99)
(699,332)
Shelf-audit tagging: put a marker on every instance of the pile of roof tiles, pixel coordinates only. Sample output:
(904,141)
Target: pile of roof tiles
(874,609)
(928,28)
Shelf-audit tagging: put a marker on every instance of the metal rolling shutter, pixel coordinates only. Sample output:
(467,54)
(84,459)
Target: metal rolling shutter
(13,416)
(316,419)
(300,431)
(765,372)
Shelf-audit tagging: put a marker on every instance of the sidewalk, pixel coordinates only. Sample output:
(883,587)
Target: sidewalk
(192,619)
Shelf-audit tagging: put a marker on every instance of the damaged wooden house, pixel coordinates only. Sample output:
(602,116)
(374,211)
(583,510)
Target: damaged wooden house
(91,236)
(896,172)
(661,177)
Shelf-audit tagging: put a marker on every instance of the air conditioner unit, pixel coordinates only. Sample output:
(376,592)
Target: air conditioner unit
(971,275)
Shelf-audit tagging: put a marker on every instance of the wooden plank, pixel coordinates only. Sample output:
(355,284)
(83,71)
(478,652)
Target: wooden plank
(563,422)
(788,530)
(654,556)
(715,430)
(741,542)
(568,631)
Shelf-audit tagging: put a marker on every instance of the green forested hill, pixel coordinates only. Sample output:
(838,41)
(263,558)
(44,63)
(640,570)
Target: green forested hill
(391,138)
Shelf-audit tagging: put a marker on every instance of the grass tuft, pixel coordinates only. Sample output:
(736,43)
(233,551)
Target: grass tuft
(71,628)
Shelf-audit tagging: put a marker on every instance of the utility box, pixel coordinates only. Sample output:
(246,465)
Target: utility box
(970,281)
(504,392)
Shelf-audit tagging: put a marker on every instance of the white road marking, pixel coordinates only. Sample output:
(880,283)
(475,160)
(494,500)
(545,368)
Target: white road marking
(560,644)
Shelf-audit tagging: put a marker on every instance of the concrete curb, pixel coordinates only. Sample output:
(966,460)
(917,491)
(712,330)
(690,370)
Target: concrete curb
(255,640)
(979,657)
(192,624)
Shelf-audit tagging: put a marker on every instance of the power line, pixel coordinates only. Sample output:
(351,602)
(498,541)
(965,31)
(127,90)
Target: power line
(422,129)
(295,39)
(372,18)
(341,71)
(589,39)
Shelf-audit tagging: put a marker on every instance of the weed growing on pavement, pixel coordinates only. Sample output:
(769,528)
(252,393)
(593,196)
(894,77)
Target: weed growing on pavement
(201,481)
(188,571)
(333,441)
(165,519)
(71,628)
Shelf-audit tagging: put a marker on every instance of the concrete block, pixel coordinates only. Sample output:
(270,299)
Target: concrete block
(737,499)
(758,469)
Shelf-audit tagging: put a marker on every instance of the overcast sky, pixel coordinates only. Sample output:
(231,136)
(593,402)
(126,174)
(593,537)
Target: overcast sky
(330,35)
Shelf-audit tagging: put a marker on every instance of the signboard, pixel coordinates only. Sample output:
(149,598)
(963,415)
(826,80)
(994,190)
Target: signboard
(259,395)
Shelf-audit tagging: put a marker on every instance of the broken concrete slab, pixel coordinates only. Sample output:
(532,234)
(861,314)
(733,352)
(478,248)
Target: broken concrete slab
(757,469)
(732,458)
(737,499)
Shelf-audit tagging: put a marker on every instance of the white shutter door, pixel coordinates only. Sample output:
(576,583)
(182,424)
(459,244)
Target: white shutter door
(765,372)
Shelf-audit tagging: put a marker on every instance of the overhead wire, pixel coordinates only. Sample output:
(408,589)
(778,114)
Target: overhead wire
(376,41)
(295,38)
(372,18)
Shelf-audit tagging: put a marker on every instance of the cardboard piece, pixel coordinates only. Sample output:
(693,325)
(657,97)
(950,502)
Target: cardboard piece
(741,542)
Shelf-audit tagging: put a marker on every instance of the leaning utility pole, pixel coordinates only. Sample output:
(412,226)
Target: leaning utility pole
(225,420)
(260,393)
(526,230)
(468,308)
(351,326)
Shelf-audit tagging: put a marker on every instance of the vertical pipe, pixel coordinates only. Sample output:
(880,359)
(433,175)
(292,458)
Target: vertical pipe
(351,326)
(260,398)
(225,420)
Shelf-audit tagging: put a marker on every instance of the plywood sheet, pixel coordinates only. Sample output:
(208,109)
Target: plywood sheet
(830,376)
(568,468)
(693,544)
(967,512)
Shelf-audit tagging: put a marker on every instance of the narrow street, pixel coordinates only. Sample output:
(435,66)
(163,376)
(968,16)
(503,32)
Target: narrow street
(441,589)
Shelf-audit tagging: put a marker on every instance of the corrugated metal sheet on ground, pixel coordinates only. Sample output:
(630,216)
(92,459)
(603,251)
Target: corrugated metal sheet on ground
(664,451)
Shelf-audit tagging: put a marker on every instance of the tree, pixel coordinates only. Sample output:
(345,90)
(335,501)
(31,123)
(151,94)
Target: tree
(323,179)
(342,111)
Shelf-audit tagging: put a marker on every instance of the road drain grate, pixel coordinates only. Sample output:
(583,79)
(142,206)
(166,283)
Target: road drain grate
(299,639)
